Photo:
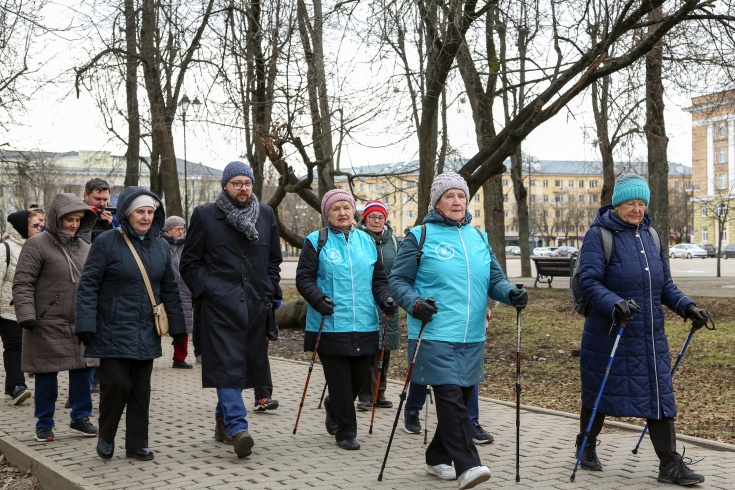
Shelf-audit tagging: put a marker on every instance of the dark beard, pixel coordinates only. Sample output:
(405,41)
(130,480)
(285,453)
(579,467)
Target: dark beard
(239,204)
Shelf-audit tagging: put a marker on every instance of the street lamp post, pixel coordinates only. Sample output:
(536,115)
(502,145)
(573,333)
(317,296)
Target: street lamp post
(184,106)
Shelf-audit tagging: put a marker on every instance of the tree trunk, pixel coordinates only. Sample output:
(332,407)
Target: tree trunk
(655,128)
(132,156)
(492,191)
(521,196)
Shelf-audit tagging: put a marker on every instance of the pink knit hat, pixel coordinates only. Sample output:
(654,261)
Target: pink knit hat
(333,196)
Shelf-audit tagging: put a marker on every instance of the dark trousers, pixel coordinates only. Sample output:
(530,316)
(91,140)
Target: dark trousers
(265,391)
(368,388)
(12,337)
(662,433)
(125,384)
(345,376)
(452,442)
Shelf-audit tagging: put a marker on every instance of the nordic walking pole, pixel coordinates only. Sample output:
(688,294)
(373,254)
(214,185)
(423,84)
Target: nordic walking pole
(311,365)
(673,369)
(432,302)
(519,287)
(388,302)
(324,391)
(426,414)
(597,401)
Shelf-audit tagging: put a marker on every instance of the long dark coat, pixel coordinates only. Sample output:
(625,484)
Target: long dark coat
(639,384)
(233,314)
(112,300)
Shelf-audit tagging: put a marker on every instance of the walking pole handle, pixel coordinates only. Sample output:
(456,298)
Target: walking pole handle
(519,286)
(431,301)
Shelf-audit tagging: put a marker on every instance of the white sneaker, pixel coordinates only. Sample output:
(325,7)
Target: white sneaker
(473,477)
(443,471)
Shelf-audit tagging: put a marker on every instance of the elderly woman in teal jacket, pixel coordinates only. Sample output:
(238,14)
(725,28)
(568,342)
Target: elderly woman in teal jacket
(342,280)
(459,270)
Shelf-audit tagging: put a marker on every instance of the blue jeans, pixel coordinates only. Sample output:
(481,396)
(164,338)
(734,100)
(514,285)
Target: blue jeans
(231,409)
(47,391)
(416,400)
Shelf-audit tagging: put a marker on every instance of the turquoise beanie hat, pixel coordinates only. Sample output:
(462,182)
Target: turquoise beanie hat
(630,186)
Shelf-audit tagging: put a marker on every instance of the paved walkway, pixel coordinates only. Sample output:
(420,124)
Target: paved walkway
(187,456)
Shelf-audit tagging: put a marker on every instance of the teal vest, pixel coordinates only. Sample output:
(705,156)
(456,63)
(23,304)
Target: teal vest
(345,274)
(455,271)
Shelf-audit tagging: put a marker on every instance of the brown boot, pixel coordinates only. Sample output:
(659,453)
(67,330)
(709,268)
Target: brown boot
(220,432)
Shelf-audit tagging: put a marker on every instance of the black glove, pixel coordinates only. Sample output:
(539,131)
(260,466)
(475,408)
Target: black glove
(697,316)
(85,338)
(389,306)
(325,306)
(624,310)
(28,324)
(424,311)
(178,338)
(518,298)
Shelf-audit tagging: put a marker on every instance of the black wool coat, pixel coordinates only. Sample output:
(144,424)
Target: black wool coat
(233,313)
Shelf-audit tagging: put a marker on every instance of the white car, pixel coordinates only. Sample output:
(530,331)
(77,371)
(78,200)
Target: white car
(545,251)
(687,250)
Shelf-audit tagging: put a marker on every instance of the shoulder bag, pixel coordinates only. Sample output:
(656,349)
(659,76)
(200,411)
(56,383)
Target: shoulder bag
(159,312)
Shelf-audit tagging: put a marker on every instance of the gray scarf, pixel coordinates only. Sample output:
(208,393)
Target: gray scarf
(243,219)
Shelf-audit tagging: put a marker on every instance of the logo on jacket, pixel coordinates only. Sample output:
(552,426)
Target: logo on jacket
(332,255)
(444,251)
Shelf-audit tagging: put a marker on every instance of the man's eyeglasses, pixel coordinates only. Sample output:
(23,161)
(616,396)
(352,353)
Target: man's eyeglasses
(376,217)
(36,225)
(239,185)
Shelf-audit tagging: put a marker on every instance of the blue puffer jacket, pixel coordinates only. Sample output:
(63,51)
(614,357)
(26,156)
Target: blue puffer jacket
(459,269)
(639,384)
(112,300)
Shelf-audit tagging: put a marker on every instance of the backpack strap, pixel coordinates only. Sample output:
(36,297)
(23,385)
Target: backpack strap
(323,235)
(419,252)
(656,238)
(608,244)
(395,241)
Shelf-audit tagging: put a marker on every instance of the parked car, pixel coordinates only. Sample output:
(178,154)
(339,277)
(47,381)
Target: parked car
(728,251)
(511,250)
(711,249)
(565,252)
(544,251)
(687,250)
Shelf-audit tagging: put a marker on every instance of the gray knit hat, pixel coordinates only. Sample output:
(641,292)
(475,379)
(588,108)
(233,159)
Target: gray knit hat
(443,182)
(173,222)
(233,169)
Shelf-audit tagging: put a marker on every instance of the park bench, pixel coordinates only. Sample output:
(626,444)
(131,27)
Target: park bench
(547,268)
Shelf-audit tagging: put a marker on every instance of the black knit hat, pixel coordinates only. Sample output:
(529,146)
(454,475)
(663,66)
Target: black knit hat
(19,220)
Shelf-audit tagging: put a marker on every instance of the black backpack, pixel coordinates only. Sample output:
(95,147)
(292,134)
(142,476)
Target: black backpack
(581,304)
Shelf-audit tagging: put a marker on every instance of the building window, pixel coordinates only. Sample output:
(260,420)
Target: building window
(533,183)
(571,183)
(505,213)
(546,183)
(724,235)
(410,184)
(546,213)
(507,229)
(676,184)
(581,184)
(411,214)
(533,198)
(703,211)
(571,198)
(705,235)
(722,130)
(393,215)
(546,198)
(477,213)
(477,197)
(593,198)
(505,182)
(722,181)
(559,213)
(722,155)
(559,199)
(362,187)
(394,198)
(505,198)
(557,183)
(593,184)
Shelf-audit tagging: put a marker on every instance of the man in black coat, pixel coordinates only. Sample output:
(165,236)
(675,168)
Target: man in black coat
(222,236)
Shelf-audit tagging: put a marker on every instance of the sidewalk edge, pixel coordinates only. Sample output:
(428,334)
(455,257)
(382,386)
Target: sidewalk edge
(49,474)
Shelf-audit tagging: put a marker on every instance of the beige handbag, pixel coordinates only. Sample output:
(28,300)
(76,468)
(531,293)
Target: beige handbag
(159,312)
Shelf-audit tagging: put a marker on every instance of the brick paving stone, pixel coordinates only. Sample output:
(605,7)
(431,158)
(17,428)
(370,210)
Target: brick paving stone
(181,434)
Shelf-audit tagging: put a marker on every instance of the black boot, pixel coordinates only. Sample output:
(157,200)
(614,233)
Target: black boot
(589,460)
(679,473)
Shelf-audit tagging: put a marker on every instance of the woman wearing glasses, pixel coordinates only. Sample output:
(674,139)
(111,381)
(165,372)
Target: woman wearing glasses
(44,297)
(24,225)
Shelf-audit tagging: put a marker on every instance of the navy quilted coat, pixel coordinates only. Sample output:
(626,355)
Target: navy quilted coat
(639,384)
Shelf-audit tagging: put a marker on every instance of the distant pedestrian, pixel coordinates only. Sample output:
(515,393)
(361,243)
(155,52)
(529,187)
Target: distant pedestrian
(639,382)
(40,214)
(44,297)
(459,270)
(115,318)
(24,224)
(222,236)
(347,272)
(174,232)
(374,223)
(97,196)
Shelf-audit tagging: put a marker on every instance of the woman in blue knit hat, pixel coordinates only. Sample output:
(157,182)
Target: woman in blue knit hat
(639,383)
